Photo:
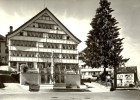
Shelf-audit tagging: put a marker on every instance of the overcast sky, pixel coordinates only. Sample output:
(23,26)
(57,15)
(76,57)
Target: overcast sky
(76,15)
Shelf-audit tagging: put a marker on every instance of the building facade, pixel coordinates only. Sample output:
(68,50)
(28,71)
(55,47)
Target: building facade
(44,45)
(3,51)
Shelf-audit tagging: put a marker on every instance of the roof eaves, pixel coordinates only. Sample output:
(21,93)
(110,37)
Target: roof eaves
(64,26)
(9,33)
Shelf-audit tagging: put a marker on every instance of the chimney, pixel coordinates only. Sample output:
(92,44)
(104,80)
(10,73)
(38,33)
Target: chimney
(11,28)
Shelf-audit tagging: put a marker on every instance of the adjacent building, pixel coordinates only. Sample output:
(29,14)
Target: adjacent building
(87,72)
(44,45)
(127,77)
(3,51)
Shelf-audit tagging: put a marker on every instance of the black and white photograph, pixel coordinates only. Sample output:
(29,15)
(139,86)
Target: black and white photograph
(69,49)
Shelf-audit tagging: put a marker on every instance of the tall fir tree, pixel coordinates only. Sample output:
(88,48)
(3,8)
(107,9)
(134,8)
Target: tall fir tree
(104,46)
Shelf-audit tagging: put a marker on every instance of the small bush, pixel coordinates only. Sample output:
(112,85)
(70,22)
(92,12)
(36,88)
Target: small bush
(16,77)
(69,86)
(82,82)
(89,80)
(131,85)
(7,79)
(2,85)
(86,80)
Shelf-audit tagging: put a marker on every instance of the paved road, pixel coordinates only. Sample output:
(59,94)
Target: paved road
(115,95)
(15,88)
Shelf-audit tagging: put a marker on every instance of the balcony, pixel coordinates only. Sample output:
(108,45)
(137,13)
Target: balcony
(35,59)
(63,41)
(58,60)
(69,61)
(44,30)
(49,50)
(42,39)
(35,49)
(57,50)
(26,38)
(27,59)
(94,69)
(45,21)
(22,48)
(69,51)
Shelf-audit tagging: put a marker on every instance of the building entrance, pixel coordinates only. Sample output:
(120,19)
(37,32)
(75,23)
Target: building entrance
(46,78)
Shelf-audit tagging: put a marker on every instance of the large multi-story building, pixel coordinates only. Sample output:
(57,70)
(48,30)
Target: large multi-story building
(3,51)
(39,41)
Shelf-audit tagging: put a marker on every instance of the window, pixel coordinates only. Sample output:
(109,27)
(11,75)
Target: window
(51,45)
(21,33)
(68,46)
(47,18)
(6,50)
(56,55)
(30,65)
(54,36)
(45,26)
(23,43)
(84,73)
(68,37)
(48,54)
(43,17)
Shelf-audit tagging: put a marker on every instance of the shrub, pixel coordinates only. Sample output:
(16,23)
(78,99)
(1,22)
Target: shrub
(7,79)
(1,85)
(16,76)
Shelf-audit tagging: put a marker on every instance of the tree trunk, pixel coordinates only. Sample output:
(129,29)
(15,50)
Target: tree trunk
(115,77)
(103,75)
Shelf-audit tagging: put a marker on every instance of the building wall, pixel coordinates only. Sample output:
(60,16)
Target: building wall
(89,72)
(32,78)
(35,78)
(37,41)
(3,52)
(73,79)
(41,45)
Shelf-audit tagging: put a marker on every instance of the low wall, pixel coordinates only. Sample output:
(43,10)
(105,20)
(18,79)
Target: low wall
(33,78)
(73,79)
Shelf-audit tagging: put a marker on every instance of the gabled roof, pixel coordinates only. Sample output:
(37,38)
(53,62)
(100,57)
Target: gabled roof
(2,38)
(37,16)
(131,69)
